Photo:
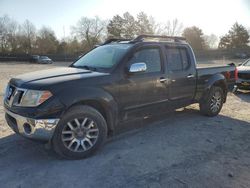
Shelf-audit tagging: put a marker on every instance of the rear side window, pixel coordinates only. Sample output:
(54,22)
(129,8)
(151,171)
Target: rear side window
(150,56)
(177,59)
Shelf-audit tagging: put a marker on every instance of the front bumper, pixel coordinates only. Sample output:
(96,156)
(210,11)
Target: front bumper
(40,129)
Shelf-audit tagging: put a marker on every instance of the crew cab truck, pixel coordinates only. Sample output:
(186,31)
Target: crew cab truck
(75,108)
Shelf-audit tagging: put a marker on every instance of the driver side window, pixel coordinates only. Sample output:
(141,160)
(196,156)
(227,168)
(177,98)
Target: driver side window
(149,56)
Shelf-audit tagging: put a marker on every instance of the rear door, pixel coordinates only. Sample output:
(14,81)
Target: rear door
(182,74)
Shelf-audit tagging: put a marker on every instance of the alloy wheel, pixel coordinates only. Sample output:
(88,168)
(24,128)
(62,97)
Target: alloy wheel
(80,134)
(216,101)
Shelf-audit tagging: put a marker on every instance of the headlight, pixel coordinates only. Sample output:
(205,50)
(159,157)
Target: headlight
(34,98)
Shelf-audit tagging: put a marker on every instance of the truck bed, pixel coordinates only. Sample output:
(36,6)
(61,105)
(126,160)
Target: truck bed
(204,73)
(213,69)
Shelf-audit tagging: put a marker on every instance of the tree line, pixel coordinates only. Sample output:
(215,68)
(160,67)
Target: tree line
(24,38)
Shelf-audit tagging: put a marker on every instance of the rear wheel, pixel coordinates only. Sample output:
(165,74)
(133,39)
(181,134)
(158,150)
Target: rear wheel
(211,106)
(79,133)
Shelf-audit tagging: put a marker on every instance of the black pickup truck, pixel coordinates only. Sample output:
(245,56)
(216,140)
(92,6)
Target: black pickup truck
(75,108)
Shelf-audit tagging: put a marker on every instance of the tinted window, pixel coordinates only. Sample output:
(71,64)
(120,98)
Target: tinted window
(174,59)
(150,56)
(177,59)
(184,57)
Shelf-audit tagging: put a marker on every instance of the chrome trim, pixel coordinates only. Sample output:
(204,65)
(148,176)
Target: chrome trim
(42,129)
(138,67)
(24,92)
(13,96)
(190,76)
(163,79)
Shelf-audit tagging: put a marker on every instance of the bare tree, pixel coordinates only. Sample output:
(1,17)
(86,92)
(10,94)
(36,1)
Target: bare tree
(91,30)
(28,36)
(170,28)
(3,32)
(8,34)
(46,41)
(211,41)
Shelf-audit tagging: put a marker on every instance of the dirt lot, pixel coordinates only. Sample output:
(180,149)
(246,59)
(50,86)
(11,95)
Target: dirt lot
(182,149)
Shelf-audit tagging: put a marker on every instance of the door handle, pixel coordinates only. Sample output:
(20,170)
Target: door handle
(162,80)
(190,76)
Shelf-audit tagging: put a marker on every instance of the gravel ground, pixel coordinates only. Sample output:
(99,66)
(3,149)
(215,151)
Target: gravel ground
(181,149)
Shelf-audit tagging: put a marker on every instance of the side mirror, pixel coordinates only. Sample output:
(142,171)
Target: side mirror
(138,67)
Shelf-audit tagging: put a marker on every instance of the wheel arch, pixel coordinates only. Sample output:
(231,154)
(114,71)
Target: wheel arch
(217,80)
(98,99)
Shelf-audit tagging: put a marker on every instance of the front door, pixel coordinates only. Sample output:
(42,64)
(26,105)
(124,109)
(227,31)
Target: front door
(141,92)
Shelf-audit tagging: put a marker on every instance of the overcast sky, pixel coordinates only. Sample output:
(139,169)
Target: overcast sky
(212,16)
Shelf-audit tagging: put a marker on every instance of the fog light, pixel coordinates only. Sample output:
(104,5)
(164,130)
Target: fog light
(27,128)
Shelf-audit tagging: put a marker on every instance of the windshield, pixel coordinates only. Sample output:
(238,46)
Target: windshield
(247,63)
(104,57)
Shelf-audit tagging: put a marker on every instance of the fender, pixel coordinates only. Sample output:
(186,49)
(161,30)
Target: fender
(216,79)
(99,95)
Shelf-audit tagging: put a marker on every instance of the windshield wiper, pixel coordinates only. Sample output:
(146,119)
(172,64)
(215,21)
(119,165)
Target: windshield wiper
(86,67)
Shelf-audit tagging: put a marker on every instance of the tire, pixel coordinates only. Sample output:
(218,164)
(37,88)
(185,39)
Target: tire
(79,133)
(212,104)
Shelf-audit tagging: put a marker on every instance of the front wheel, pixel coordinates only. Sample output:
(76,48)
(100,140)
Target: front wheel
(211,106)
(79,133)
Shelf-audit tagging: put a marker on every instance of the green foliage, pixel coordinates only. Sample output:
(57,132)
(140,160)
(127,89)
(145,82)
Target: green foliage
(115,27)
(237,37)
(144,24)
(126,26)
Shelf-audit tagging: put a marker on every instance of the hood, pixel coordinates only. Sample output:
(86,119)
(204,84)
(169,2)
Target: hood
(54,75)
(244,69)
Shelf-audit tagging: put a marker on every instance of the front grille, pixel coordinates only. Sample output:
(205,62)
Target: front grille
(244,76)
(13,95)
(10,92)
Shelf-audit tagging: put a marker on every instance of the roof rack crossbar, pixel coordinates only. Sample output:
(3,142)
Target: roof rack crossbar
(141,37)
(115,40)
